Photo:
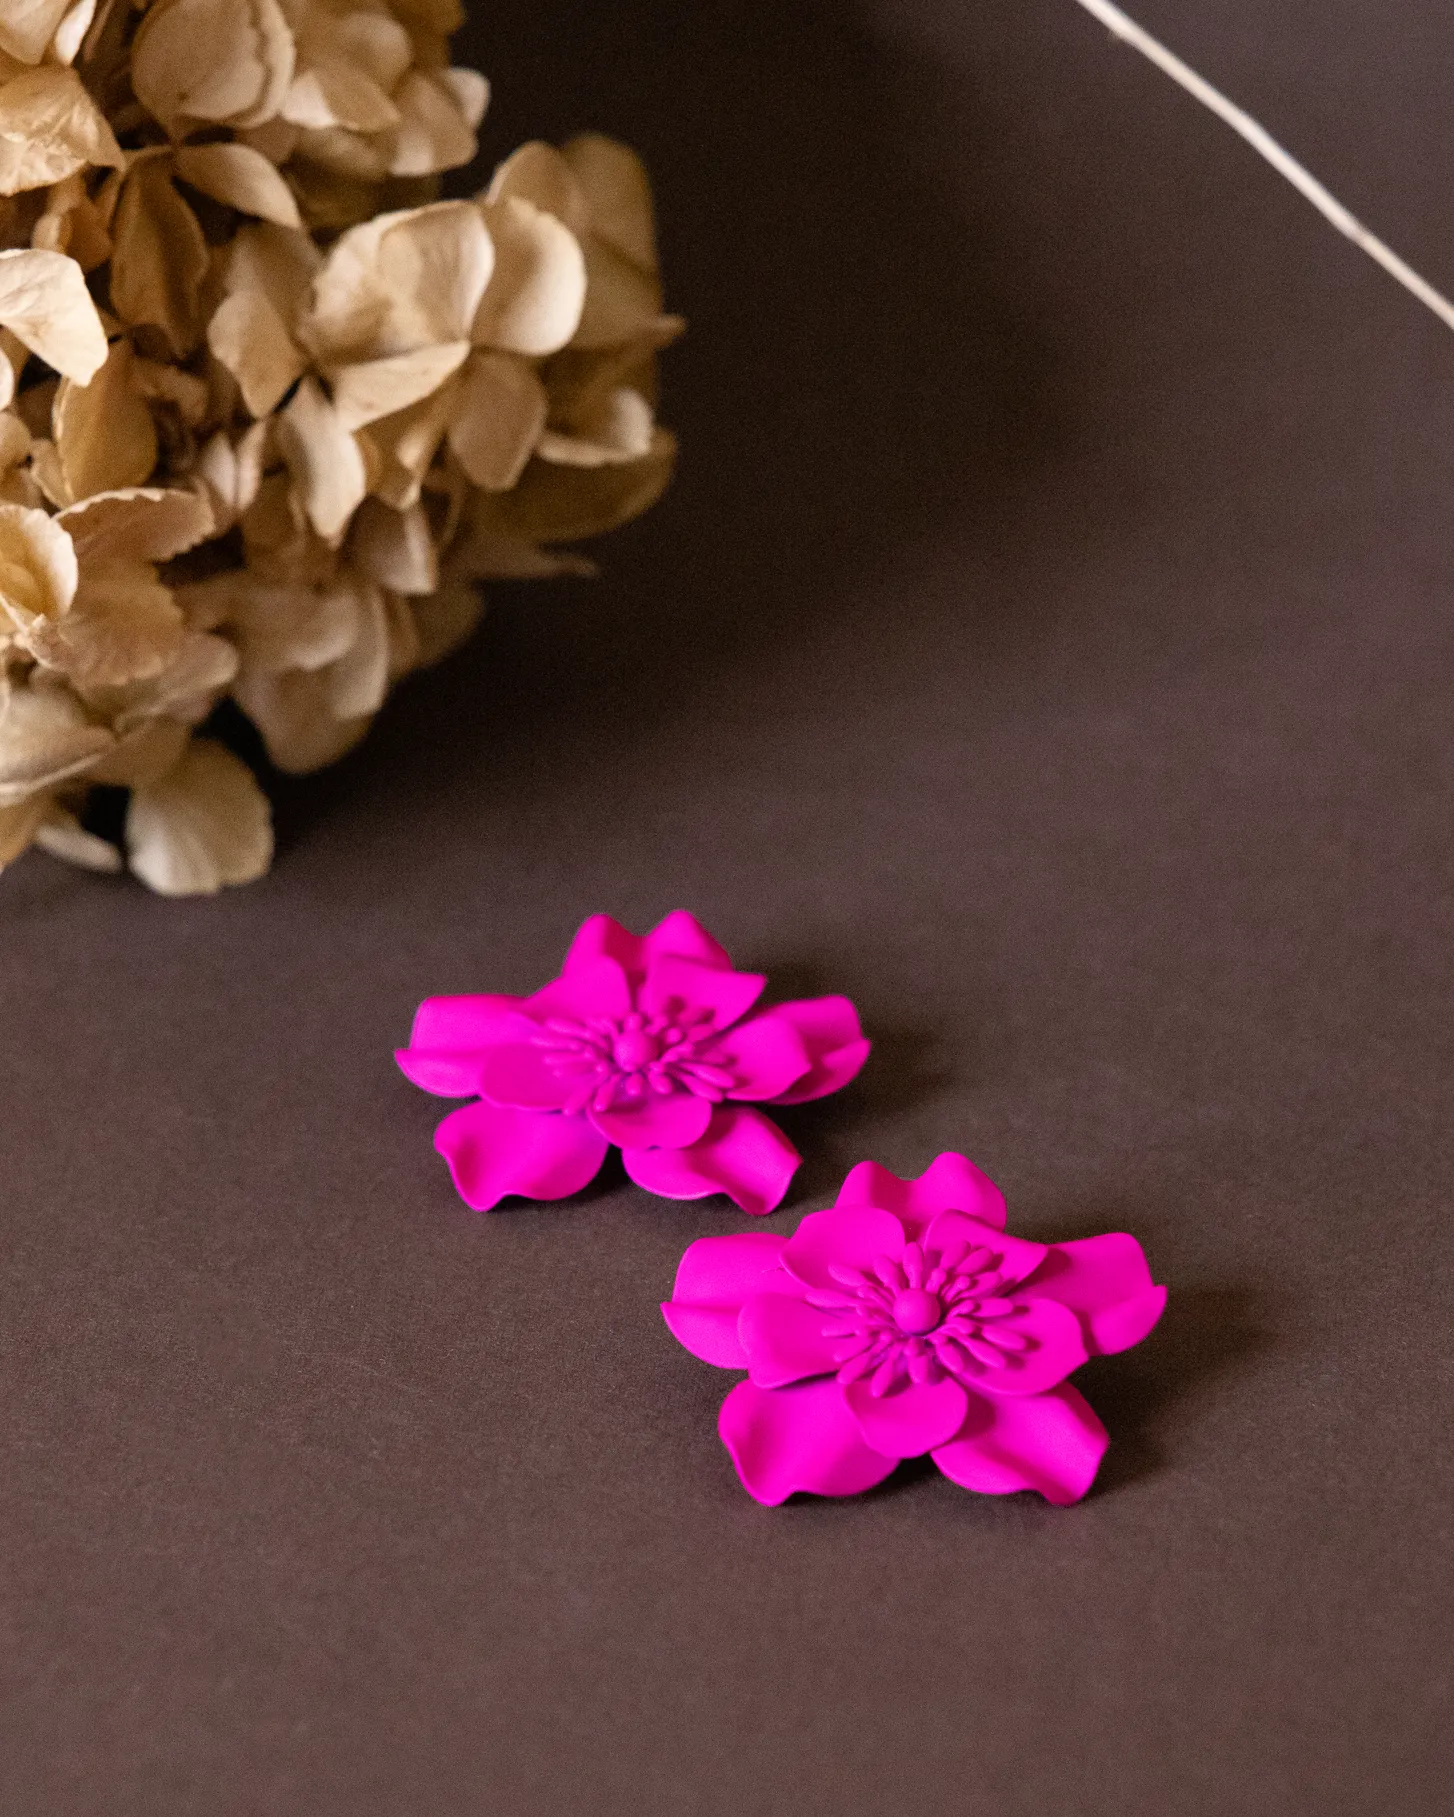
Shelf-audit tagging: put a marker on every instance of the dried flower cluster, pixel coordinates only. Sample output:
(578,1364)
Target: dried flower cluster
(269,410)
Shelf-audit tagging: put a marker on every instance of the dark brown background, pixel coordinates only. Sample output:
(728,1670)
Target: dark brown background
(1048,642)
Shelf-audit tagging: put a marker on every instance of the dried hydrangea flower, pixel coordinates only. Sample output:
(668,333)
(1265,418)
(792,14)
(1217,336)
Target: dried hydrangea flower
(269,410)
(905,1320)
(648,1044)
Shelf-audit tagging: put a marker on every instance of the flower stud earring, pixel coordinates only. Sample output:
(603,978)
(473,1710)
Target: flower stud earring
(652,1044)
(905,1321)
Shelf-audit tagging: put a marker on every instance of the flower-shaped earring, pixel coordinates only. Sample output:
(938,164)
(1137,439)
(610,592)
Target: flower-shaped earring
(647,1043)
(902,1321)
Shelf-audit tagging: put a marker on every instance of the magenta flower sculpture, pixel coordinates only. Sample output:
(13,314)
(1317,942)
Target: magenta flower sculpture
(904,1321)
(644,1042)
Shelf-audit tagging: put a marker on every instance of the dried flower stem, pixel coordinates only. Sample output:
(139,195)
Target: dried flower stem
(1262,141)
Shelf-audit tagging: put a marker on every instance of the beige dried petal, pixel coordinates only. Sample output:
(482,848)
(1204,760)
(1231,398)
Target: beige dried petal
(535,296)
(240,177)
(294,714)
(252,341)
(184,391)
(555,504)
(406,280)
(204,824)
(277,627)
(63,836)
(620,429)
(444,620)
(623,300)
(223,60)
(45,737)
(440,18)
(406,445)
(141,523)
(74,225)
(27,27)
(50,128)
(39,571)
(141,755)
(123,626)
(104,435)
(471,93)
(70,34)
(159,258)
(14,440)
(45,304)
(498,420)
(325,460)
(18,825)
(359,680)
(433,133)
(275,262)
(377,388)
(618,194)
(185,693)
(338,94)
(538,173)
(395,549)
(277,140)
(232,472)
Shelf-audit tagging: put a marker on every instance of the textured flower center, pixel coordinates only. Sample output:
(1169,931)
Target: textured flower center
(921,1318)
(916,1311)
(615,1062)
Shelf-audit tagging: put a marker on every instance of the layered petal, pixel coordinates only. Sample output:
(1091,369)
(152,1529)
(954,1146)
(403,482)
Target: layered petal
(1051,1442)
(851,1238)
(835,1044)
(786,1440)
(909,1420)
(450,1035)
(713,1278)
(1014,1257)
(538,1155)
(517,1075)
(1107,1281)
(683,935)
(655,1122)
(595,987)
(742,1154)
(1054,1346)
(764,1054)
(951,1181)
(603,937)
(676,986)
(786,1339)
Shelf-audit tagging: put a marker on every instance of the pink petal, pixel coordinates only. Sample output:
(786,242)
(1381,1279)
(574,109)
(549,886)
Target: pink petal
(834,1039)
(910,1420)
(784,1339)
(765,1054)
(516,1075)
(537,1154)
(594,987)
(1051,1442)
(446,1074)
(713,1278)
(675,986)
(742,1154)
(722,1271)
(783,1440)
(601,937)
(709,1332)
(466,1024)
(1014,1257)
(1106,1280)
(852,1238)
(1058,1346)
(950,1182)
(684,935)
(655,1122)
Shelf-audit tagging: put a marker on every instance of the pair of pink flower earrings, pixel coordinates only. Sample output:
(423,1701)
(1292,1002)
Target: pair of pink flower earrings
(903,1321)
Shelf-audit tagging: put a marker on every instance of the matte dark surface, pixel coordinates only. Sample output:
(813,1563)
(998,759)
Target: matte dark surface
(1049,643)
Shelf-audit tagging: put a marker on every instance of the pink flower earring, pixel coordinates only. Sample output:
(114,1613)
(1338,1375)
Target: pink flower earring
(904,1321)
(646,1043)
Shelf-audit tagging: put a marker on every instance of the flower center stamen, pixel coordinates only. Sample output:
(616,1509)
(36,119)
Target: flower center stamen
(916,1311)
(612,1061)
